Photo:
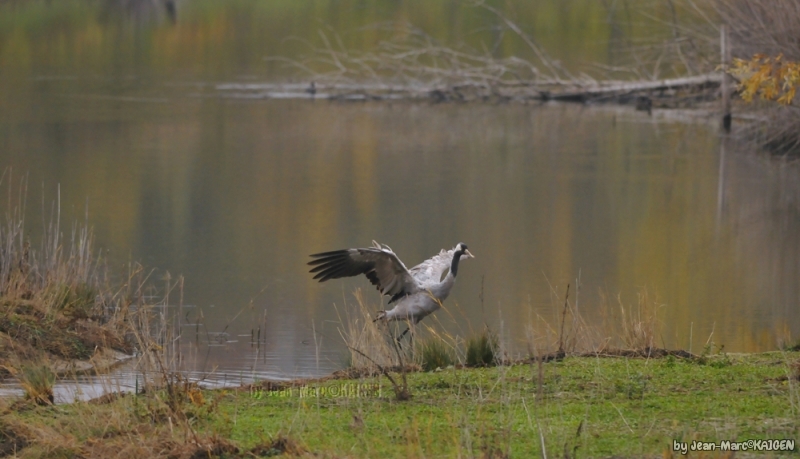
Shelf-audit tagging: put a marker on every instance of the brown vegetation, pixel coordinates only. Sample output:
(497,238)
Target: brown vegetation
(625,331)
(58,313)
(61,315)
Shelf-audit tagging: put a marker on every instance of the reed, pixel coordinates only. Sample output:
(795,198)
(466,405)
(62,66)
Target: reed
(58,303)
(366,341)
(56,297)
(434,354)
(482,349)
(622,329)
(37,380)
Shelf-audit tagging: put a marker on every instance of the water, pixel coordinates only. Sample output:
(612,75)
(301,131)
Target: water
(184,172)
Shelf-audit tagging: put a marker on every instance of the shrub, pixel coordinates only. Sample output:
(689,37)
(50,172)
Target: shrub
(435,354)
(481,349)
(37,380)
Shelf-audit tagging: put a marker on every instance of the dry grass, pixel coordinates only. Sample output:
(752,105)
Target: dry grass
(366,339)
(14,436)
(58,305)
(622,329)
(37,379)
(370,349)
(374,342)
(618,328)
(639,323)
(130,427)
(55,297)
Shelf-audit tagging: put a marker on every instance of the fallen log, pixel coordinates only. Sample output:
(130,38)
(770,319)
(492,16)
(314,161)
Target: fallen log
(603,88)
(645,94)
(617,88)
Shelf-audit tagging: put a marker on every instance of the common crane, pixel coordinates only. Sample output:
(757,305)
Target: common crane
(418,291)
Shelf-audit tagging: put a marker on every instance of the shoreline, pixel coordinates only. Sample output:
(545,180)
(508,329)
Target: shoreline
(595,407)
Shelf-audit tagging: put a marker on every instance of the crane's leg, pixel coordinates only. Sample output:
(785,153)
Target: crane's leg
(399,338)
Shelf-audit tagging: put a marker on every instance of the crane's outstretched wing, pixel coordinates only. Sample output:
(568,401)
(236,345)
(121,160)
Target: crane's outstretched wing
(381,266)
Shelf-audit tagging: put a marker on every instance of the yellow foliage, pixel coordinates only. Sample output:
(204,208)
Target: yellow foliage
(196,396)
(773,78)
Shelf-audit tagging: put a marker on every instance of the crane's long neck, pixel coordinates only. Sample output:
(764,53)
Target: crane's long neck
(454,264)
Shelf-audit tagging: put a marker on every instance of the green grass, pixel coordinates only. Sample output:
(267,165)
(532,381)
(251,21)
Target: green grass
(434,353)
(481,349)
(625,406)
(37,379)
(592,407)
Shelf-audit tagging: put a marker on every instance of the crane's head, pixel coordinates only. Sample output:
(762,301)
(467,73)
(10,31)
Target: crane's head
(461,249)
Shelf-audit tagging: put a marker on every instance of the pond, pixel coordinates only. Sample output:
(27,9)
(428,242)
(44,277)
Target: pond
(182,172)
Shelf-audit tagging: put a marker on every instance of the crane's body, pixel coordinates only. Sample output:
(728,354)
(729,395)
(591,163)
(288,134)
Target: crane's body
(418,291)
(417,306)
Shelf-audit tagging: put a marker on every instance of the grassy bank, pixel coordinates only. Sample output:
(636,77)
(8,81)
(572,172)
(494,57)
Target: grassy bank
(61,315)
(580,406)
(53,311)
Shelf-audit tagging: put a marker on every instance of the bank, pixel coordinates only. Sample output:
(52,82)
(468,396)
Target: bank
(578,406)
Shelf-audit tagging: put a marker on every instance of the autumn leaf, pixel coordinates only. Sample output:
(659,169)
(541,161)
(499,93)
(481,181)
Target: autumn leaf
(774,79)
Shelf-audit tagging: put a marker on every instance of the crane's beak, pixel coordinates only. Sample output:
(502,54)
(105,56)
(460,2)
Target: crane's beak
(467,252)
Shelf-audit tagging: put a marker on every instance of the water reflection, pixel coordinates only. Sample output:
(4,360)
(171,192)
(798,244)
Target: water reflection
(235,194)
(186,168)
(141,12)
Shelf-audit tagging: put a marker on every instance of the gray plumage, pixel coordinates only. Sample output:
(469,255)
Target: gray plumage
(418,291)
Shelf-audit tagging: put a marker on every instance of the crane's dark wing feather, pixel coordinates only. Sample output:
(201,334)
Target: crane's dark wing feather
(381,266)
(397,297)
